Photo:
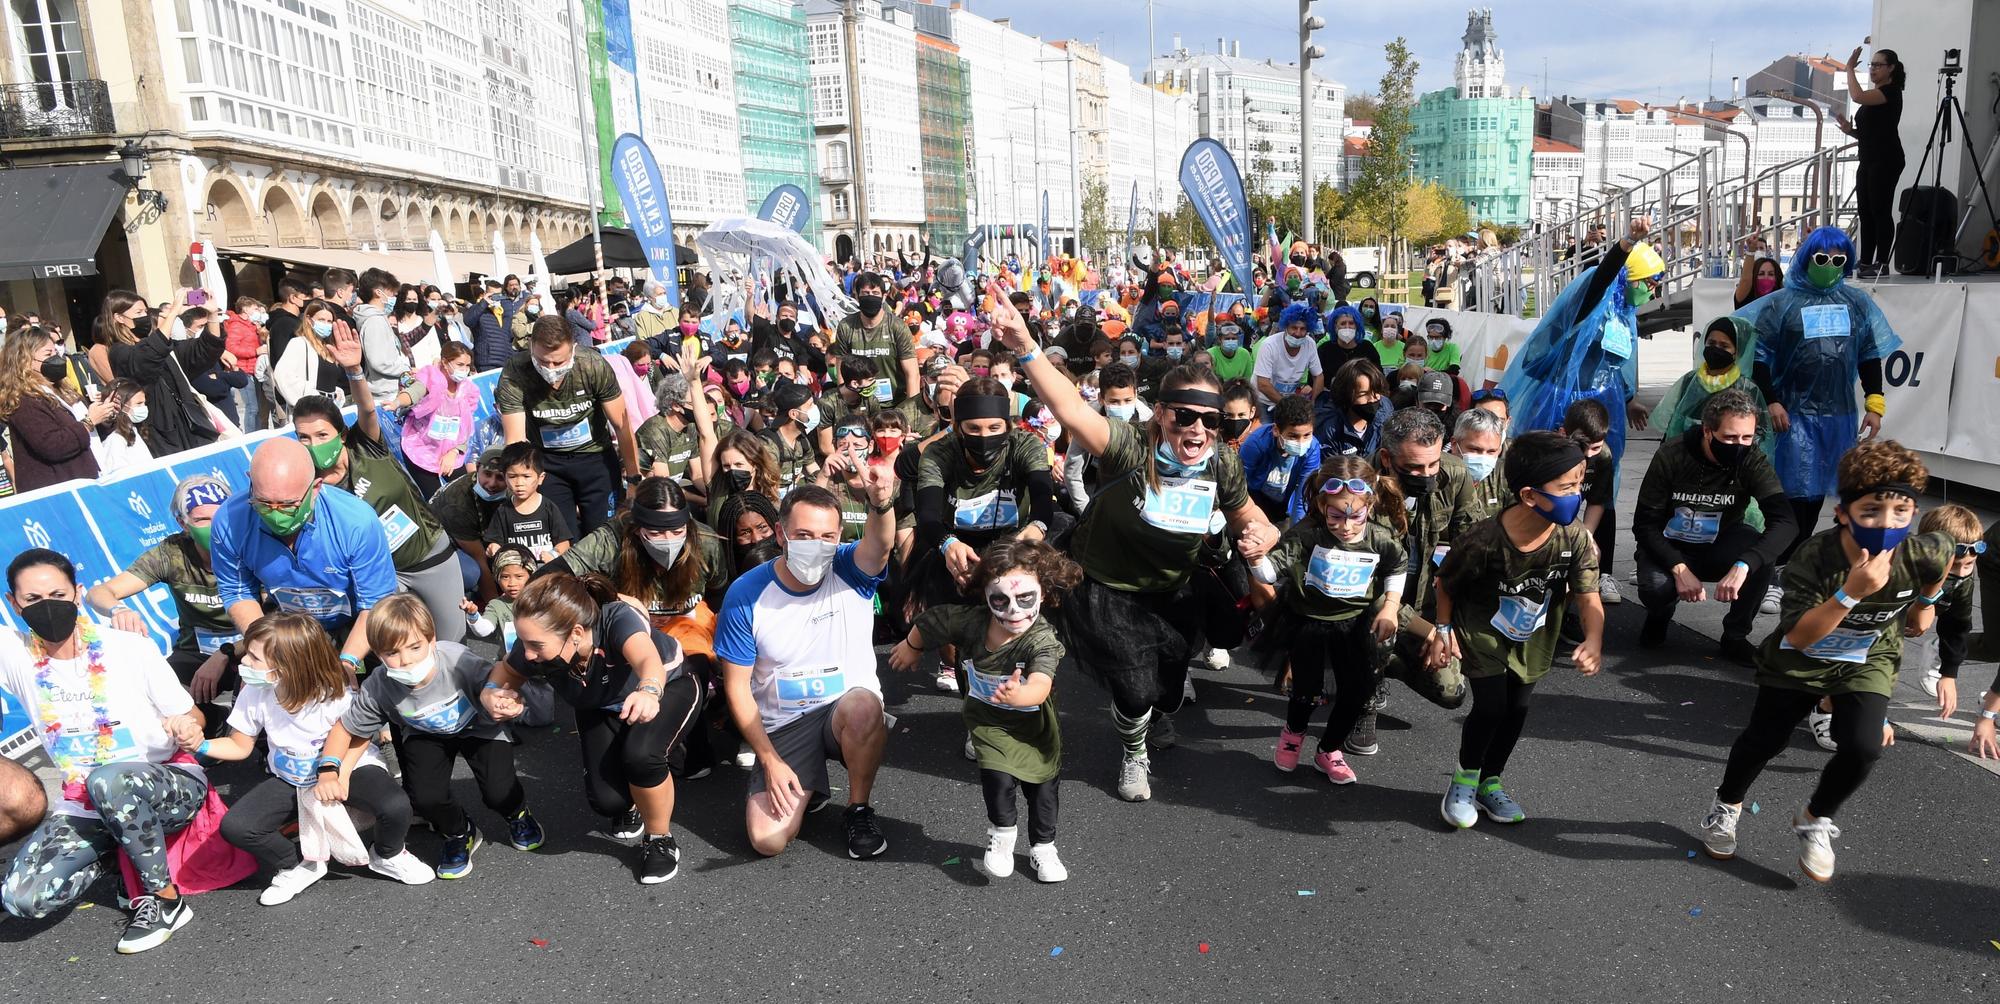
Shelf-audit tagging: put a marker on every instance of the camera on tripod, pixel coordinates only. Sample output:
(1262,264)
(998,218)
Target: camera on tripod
(1954,64)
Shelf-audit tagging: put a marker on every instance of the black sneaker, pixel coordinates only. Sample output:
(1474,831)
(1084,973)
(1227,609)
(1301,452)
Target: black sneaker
(154,920)
(659,859)
(864,836)
(1653,633)
(1361,741)
(1160,734)
(629,825)
(523,831)
(1738,650)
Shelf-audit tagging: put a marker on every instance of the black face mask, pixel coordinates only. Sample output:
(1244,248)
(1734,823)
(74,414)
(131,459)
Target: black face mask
(55,368)
(1727,454)
(870,304)
(143,326)
(786,324)
(982,451)
(1717,357)
(542,669)
(1362,412)
(52,621)
(739,481)
(1299,260)
(1417,486)
(1234,428)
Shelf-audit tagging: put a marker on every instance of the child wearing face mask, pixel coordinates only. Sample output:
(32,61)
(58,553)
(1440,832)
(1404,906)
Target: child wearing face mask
(1279,458)
(427,695)
(1231,358)
(440,421)
(1339,578)
(1008,656)
(294,693)
(1501,598)
(1440,352)
(1942,652)
(1389,347)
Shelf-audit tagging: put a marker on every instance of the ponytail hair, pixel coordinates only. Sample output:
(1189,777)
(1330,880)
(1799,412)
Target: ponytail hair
(561,603)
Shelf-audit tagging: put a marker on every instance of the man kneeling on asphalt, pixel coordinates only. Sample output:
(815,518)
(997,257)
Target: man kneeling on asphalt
(1691,526)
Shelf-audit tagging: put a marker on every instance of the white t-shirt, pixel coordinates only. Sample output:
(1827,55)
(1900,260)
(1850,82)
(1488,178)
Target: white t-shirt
(1285,371)
(140,690)
(294,740)
(804,650)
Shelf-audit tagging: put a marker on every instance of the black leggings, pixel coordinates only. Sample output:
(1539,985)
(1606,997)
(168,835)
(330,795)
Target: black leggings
(1042,803)
(586,484)
(427,759)
(1346,648)
(1606,537)
(1806,513)
(1875,198)
(255,823)
(1857,728)
(1493,726)
(619,756)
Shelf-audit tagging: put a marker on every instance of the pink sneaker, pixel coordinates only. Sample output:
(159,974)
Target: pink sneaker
(1289,744)
(1334,766)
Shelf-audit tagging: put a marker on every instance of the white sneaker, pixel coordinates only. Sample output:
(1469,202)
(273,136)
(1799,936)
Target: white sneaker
(1930,681)
(404,868)
(1133,784)
(1218,660)
(1718,830)
(1772,598)
(1048,867)
(1000,850)
(1607,590)
(1816,846)
(947,680)
(1822,730)
(970,753)
(746,759)
(289,883)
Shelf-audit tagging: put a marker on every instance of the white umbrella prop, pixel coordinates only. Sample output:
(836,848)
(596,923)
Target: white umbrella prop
(538,266)
(211,278)
(499,258)
(741,248)
(441,265)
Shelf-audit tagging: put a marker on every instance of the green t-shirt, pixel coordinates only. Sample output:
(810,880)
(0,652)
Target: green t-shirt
(1144,539)
(1434,521)
(1325,578)
(205,625)
(981,507)
(374,477)
(1506,605)
(1443,359)
(1863,653)
(1390,353)
(462,513)
(796,463)
(1490,496)
(1025,743)
(566,419)
(888,343)
(660,443)
(1236,367)
(599,549)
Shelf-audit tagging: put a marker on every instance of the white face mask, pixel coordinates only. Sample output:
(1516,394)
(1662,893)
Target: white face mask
(808,560)
(1346,335)
(137,413)
(554,373)
(414,673)
(461,373)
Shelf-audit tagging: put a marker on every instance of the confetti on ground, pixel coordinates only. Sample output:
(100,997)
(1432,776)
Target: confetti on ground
(539,942)
(1687,704)
(86,906)
(1690,855)
(1249,700)
(1696,912)
(1755,808)
(951,861)
(1995,944)
(1307,892)
(1203,948)
(1053,952)
(73,958)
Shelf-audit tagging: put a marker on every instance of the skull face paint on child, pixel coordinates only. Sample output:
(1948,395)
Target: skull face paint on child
(1015,601)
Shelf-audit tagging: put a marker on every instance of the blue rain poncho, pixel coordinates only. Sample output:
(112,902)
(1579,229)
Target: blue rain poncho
(1579,350)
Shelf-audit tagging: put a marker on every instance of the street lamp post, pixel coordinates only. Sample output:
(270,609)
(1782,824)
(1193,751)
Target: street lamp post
(1308,23)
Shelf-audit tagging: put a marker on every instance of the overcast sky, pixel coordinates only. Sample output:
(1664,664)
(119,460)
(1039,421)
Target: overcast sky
(1653,52)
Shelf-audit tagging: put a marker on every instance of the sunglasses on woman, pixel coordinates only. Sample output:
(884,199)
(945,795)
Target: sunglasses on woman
(1824,258)
(1211,420)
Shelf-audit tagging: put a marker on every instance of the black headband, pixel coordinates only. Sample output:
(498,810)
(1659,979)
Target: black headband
(968,406)
(1534,473)
(1891,488)
(660,519)
(1191,395)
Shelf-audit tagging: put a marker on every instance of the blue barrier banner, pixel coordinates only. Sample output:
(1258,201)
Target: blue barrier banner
(1215,187)
(645,199)
(787,206)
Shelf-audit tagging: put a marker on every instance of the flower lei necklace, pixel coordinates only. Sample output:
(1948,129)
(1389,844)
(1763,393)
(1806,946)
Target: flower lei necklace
(74,768)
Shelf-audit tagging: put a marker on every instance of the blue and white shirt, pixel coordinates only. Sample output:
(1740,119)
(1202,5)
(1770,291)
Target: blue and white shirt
(337,567)
(804,650)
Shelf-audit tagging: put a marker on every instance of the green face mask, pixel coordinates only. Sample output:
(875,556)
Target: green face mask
(285,524)
(324,454)
(201,535)
(1824,276)
(1638,293)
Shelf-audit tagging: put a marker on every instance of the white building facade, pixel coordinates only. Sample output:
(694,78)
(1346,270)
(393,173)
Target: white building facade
(1252,108)
(892,148)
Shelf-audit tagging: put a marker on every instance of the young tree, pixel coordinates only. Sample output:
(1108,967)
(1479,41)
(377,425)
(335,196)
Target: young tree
(1096,218)
(1379,193)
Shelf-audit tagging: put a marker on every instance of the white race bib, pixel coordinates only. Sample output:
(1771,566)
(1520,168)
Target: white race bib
(1841,645)
(1341,574)
(804,690)
(564,437)
(398,525)
(1691,527)
(297,771)
(985,687)
(444,428)
(211,642)
(1617,339)
(995,510)
(1518,618)
(1182,505)
(1826,320)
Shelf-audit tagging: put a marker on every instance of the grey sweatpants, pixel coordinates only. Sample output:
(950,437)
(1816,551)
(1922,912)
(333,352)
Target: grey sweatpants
(442,588)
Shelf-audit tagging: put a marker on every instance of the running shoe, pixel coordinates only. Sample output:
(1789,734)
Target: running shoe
(1334,766)
(1497,804)
(659,859)
(947,679)
(287,884)
(154,920)
(456,861)
(864,834)
(1287,755)
(1772,598)
(1816,837)
(1000,850)
(1607,590)
(1718,830)
(1218,660)
(817,802)
(1461,803)
(1361,741)
(404,868)
(1048,867)
(1930,681)
(523,831)
(1821,724)
(628,825)
(1133,784)
(745,759)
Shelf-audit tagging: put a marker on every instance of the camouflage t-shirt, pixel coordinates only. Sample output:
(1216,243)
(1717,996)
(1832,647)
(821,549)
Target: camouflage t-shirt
(1507,605)
(1862,654)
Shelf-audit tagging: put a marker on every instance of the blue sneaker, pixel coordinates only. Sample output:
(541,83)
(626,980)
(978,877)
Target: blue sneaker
(523,831)
(1498,805)
(1460,808)
(456,861)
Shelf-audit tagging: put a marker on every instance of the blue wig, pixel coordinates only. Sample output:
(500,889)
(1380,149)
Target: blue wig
(1831,240)
(1299,312)
(1348,311)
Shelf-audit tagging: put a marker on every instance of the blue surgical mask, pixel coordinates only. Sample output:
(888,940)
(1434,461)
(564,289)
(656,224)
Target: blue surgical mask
(1174,351)
(1129,360)
(1173,468)
(324,329)
(1296,344)
(1294,448)
(1479,465)
(1877,539)
(1230,345)
(1122,412)
(1563,510)
(480,490)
